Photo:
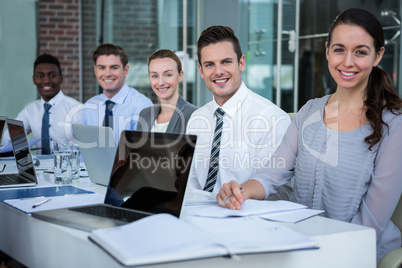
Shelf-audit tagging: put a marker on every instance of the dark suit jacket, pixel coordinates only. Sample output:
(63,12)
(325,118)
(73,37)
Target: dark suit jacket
(177,123)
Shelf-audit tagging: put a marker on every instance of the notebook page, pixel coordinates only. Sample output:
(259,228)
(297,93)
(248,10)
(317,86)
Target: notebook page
(154,239)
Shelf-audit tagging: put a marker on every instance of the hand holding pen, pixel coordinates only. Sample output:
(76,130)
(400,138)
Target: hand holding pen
(230,196)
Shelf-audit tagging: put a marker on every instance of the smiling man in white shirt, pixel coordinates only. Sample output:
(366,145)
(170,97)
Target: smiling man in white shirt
(251,127)
(119,105)
(62,110)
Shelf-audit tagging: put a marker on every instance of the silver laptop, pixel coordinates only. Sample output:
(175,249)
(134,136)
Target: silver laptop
(149,175)
(98,148)
(26,175)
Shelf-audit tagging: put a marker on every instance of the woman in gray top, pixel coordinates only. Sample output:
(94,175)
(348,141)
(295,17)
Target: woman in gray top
(344,150)
(173,112)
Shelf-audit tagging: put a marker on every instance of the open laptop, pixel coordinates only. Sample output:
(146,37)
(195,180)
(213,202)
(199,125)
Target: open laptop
(98,149)
(149,175)
(26,175)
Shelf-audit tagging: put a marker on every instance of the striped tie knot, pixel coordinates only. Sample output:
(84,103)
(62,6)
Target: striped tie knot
(219,113)
(47,107)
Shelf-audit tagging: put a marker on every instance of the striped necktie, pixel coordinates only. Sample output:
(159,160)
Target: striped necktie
(214,159)
(45,129)
(108,121)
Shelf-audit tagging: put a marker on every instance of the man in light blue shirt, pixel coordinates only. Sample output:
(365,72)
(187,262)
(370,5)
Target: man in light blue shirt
(119,105)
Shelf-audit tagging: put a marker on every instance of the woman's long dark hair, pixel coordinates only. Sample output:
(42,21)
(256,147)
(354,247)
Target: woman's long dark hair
(380,93)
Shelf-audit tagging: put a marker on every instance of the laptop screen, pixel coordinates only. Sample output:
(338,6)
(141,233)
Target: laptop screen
(21,151)
(150,171)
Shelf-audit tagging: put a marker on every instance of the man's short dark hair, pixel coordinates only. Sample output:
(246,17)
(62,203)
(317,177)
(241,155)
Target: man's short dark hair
(47,58)
(216,34)
(110,49)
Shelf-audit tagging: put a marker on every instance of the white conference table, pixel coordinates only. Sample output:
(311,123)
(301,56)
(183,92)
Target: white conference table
(37,243)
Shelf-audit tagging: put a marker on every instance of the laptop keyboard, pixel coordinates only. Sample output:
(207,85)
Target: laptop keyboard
(7,179)
(111,213)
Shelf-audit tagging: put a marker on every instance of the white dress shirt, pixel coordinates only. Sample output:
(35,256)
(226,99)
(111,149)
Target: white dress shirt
(128,105)
(65,111)
(253,127)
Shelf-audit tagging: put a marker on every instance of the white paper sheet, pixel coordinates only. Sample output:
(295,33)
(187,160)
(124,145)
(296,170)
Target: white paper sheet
(248,234)
(249,207)
(292,216)
(199,197)
(55,202)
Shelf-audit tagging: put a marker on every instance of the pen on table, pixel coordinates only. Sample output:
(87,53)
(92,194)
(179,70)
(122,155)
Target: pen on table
(40,203)
(230,196)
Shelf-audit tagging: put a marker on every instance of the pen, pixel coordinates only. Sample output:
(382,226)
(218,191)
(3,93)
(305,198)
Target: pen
(40,203)
(230,196)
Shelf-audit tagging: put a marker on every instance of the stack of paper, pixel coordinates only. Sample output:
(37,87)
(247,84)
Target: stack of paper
(281,210)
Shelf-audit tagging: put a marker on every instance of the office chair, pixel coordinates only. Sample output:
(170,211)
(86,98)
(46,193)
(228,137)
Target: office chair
(394,258)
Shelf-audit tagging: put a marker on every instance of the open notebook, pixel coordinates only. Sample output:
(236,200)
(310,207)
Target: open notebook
(149,176)
(163,238)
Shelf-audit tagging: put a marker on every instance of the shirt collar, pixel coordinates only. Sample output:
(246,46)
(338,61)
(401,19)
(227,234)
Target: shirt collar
(120,96)
(234,103)
(55,100)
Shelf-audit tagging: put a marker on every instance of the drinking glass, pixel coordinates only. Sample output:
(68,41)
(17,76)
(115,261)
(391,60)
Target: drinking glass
(62,163)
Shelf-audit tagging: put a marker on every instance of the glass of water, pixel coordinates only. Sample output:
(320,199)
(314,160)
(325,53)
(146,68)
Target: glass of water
(75,161)
(62,163)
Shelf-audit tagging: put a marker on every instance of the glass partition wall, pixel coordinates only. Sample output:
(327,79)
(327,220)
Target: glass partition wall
(283,41)
(140,27)
(315,18)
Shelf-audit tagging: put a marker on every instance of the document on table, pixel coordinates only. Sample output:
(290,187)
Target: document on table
(199,197)
(165,238)
(55,202)
(249,207)
(291,216)
(252,234)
